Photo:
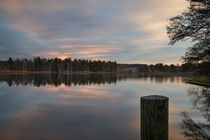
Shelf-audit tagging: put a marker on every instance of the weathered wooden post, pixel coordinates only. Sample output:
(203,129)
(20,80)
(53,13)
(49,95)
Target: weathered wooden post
(154,117)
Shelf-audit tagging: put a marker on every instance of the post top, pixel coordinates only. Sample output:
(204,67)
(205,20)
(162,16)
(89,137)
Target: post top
(154,97)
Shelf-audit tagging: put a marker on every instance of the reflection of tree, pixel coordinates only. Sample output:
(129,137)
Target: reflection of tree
(198,130)
(73,79)
(58,79)
(194,130)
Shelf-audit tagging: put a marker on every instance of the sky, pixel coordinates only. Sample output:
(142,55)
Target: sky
(126,31)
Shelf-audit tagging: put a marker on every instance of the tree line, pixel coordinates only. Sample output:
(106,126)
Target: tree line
(80,65)
(160,67)
(58,65)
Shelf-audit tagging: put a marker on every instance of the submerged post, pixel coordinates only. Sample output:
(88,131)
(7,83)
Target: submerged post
(154,117)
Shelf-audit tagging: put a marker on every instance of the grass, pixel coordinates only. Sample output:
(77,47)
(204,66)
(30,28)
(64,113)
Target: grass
(202,80)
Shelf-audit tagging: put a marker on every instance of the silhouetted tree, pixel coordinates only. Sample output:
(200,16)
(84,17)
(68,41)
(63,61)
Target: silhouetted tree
(193,24)
(188,67)
(10,63)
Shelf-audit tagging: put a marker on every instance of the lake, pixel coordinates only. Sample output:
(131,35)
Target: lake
(96,106)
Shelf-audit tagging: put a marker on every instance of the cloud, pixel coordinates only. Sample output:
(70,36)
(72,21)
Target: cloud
(14,42)
(41,27)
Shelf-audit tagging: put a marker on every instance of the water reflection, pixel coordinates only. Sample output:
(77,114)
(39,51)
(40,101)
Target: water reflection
(78,79)
(198,129)
(47,108)
(57,79)
(65,121)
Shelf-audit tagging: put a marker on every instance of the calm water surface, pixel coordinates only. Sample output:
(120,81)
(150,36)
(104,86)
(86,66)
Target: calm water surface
(95,107)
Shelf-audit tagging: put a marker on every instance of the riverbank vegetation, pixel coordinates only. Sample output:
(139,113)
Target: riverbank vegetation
(202,80)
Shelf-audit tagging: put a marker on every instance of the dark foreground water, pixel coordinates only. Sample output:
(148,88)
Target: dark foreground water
(96,107)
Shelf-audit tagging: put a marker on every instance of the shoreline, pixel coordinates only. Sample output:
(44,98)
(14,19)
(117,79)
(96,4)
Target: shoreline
(88,72)
(47,72)
(198,83)
(201,80)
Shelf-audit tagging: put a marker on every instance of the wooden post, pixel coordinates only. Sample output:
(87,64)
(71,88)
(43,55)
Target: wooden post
(154,117)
